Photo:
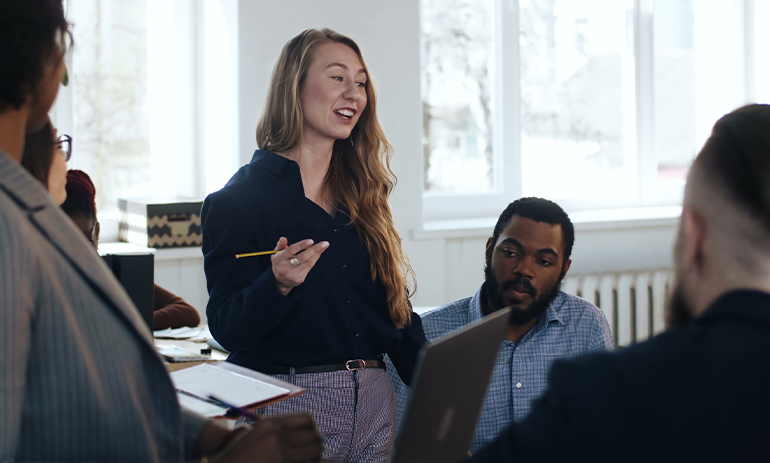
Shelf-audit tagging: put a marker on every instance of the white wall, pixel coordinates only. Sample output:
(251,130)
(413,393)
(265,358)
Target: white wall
(447,266)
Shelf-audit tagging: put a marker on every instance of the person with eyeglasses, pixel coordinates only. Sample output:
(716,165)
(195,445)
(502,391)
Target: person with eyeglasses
(45,157)
(80,379)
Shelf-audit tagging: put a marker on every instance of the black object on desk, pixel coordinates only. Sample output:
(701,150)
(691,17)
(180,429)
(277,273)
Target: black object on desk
(136,272)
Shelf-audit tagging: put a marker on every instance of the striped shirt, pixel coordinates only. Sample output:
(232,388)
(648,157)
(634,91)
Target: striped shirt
(569,326)
(79,376)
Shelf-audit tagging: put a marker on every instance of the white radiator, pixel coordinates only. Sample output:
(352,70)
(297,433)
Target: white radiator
(632,301)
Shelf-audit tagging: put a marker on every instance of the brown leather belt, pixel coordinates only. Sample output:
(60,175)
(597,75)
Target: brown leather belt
(350,365)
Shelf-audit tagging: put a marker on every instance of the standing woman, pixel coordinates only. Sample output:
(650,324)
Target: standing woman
(322,311)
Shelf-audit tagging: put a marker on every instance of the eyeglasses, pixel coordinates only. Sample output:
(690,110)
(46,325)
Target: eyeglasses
(64,145)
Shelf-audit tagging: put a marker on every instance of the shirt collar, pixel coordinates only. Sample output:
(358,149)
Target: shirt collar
(272,162)
(474,308)
(741,305)
(280,166)
(21,186)
(552,313)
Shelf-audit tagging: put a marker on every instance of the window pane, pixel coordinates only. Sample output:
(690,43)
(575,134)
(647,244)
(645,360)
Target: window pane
(699,76)
(457,88)
(675,112)
(109,84)
(762,50)
(577,96)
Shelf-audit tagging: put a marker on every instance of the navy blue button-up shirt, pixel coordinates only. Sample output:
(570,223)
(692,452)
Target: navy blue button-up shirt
(339,313)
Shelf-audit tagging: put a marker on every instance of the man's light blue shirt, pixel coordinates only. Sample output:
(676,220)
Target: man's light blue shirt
(569,326)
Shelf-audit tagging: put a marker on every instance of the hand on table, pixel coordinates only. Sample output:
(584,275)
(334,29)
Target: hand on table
(291,265)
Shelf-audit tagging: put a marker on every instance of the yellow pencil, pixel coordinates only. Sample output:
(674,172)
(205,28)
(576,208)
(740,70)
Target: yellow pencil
(261,253)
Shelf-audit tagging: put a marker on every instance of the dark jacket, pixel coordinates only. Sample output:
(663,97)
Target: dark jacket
(700,393)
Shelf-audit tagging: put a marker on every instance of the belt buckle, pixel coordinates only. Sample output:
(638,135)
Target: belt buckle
(362,363)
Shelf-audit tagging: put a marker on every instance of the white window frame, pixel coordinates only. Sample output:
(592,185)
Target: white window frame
(507,143)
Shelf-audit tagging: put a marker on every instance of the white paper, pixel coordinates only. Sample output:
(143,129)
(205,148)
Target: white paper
(199,333)
(200,407)
(208,380)
(177,354)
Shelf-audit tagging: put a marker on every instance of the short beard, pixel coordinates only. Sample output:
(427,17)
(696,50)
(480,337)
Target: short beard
(492,290)
(678,310)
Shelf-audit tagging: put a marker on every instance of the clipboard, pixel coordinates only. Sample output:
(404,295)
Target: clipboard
(235,384)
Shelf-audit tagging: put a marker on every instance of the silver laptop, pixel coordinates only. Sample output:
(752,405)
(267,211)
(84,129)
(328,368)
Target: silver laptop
(448,392)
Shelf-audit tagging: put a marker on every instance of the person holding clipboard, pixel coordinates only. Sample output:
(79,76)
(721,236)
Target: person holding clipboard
(332,298)
(80,379)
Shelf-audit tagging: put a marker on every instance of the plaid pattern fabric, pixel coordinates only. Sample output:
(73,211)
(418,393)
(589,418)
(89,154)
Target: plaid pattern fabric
(569,327)
(354,411)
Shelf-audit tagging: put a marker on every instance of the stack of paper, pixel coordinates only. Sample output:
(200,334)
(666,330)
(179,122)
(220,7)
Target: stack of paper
(176,354)
(197,334)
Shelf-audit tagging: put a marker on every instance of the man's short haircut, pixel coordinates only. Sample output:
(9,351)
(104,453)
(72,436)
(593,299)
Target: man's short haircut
(539,210)
(31,31)
(737,156)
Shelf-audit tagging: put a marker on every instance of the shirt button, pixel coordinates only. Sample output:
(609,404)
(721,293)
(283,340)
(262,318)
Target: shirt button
(356,334)
(347,302)
(336,230)
(518,385)
(344,266)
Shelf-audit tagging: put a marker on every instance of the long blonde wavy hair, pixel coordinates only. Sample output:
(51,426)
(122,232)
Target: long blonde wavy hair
(359,178)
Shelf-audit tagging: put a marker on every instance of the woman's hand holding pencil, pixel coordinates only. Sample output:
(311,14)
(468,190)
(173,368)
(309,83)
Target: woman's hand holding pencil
(291,264)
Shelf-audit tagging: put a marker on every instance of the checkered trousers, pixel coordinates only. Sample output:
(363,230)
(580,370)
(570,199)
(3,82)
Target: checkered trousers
(355,411)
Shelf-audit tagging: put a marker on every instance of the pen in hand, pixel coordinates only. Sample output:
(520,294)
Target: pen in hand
(232,408)
(247,414)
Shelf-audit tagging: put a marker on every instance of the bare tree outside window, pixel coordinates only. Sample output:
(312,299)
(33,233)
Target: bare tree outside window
(675,97)
(575,65)
(458,88)
(109,83)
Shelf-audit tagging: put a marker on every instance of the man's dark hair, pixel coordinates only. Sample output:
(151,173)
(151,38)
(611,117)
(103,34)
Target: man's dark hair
(31,32)
(737,156)
(539,210)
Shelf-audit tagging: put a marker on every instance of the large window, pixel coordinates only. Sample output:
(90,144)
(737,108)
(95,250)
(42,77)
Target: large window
(145,104)
(458,102)
(592,103)
(109,83)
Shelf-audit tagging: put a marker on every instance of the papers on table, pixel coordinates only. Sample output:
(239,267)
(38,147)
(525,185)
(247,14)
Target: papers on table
(213,343)
(234,384)
(197,334)
(176,354)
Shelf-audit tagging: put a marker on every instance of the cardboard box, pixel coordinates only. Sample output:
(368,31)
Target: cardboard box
(160,223)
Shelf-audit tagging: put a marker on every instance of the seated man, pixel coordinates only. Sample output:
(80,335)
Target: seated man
(527,257)
(698,392)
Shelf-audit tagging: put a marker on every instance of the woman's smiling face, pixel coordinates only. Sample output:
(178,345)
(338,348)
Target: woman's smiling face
(333,94)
